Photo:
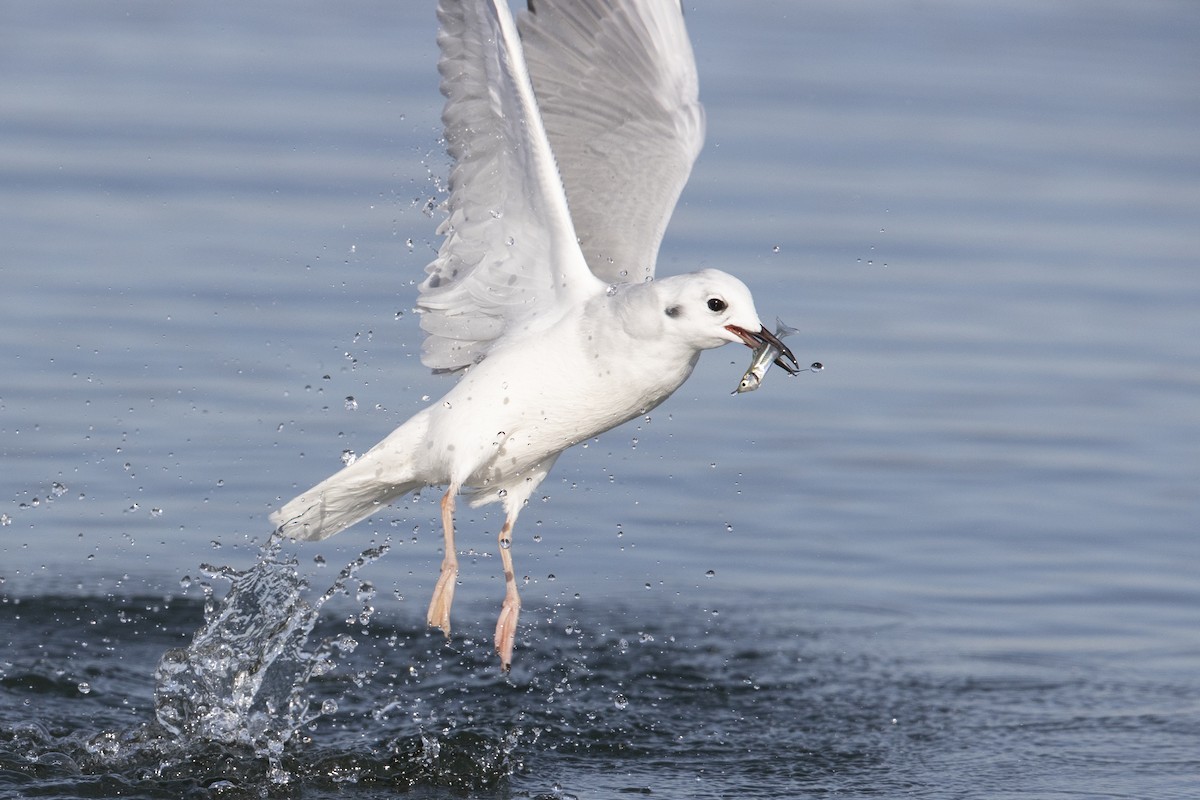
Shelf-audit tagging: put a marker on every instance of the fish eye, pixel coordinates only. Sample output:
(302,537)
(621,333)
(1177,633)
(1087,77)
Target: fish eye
(717,304)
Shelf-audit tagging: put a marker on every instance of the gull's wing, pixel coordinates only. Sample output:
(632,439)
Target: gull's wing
(616,84)
(510,259)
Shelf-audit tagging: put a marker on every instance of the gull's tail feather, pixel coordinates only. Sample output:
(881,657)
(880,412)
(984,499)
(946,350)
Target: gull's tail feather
(372,481)
(335,504)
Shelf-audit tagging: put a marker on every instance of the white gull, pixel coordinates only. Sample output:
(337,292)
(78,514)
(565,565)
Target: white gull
(571,143)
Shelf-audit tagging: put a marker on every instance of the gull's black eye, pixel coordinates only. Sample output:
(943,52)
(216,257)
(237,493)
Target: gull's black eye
(716,304)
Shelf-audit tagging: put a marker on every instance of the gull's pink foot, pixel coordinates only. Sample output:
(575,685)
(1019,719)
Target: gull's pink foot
(506,625)
(443,593)
(506,632)
(443,597)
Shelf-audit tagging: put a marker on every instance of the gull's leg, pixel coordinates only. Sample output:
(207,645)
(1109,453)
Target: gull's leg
(443,593)
(506,625)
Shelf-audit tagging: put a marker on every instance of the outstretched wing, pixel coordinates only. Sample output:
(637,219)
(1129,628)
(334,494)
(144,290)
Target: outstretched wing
(616,84)
(510,260)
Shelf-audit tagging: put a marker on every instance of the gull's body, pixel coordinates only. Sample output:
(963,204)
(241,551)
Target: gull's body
(540,289)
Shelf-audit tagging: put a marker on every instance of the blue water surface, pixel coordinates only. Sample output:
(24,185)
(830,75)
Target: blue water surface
(961,561)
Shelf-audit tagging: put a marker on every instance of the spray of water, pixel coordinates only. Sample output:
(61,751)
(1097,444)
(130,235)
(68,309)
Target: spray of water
(244,679)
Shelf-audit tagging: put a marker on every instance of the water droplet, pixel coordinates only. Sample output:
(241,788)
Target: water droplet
(620,701)
(84,687)
(5,520)
(349,457)
(345,643)
(537,537)
(550,577)
(817,366)
(329,707)
(156,512)
(57,489)
(351,403)
(712,573)
(505,544)
(728,528)
(775,249)
(366,592)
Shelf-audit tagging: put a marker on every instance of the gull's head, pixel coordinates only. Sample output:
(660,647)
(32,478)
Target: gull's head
(710,308)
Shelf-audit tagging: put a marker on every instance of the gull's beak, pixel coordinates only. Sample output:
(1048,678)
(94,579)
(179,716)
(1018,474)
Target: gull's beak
(764,336)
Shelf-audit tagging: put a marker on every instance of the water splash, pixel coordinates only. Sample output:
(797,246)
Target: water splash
(235,710)
(244,678)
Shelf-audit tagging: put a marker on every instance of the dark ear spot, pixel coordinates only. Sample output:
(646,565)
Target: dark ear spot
(674,311)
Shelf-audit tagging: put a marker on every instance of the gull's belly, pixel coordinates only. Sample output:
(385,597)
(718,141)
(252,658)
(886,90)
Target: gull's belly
(496,425)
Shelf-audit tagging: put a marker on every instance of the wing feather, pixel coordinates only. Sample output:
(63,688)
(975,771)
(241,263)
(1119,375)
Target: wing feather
(510,260)
(616,84)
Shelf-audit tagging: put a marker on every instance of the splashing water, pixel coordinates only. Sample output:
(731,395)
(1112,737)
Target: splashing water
(235,711)
(244,678)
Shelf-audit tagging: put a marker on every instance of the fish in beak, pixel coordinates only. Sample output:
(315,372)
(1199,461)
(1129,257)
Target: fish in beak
(766,342)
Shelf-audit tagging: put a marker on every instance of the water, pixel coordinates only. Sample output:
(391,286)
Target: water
(959,561)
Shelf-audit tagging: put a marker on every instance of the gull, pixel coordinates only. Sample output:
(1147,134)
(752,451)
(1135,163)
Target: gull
(571,135)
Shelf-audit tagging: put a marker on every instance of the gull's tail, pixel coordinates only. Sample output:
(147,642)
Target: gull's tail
(376,478)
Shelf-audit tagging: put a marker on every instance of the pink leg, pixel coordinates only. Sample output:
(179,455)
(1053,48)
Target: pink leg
(506,625)
(443,593)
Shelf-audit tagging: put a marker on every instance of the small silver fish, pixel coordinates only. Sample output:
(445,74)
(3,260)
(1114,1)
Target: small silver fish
(764,355)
